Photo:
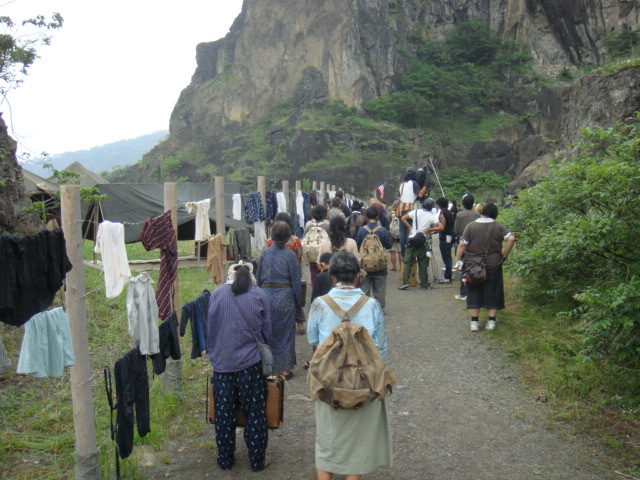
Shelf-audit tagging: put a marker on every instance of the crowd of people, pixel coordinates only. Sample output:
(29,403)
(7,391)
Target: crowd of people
(264,301)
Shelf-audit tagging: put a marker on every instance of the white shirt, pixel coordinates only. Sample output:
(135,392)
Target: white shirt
(282,202)
(300,208)
(203,229)
(407,195)
(115,264)
(422,220)
(142,313)
(237,206)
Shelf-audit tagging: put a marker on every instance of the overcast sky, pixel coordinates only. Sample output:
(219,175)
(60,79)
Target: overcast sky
(114,71)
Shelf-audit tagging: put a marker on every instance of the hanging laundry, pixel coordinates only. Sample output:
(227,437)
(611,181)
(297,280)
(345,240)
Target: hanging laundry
(169,344)
(300,208)
(203,228)
(31,273)
(115,264)
(196,312)
(272,207)
(253,209)
(46,345)
(282,202)
(313,198)
(5,361)
(158,232)
(132,390)
(260,233)
(241,244)
(142,313)
(307,207)
(237,206)
(216,258)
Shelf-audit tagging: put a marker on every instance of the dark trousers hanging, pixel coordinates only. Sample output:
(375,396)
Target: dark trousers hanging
(247,388)
(132,390)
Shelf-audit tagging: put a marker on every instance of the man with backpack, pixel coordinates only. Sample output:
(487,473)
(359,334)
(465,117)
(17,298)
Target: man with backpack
(373,242)
(355,220)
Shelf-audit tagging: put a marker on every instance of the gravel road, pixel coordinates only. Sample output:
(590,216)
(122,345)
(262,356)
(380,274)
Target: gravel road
(459,411)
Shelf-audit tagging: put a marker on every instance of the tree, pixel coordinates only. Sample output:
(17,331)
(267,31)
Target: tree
(18,49)
(578,232)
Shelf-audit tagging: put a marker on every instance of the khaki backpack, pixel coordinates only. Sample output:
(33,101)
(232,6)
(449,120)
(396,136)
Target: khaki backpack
(311,242)
(347,370)
(373,256)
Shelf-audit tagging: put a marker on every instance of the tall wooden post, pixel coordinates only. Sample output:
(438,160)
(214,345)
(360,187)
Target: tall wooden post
(323,194)
(263,191)
(86,452)
(220,213)
(172,378)
(285,190)
(314,185)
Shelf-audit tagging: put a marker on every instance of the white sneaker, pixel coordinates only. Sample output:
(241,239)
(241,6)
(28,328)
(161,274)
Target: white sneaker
(474,326)
(491,325)
(460,297)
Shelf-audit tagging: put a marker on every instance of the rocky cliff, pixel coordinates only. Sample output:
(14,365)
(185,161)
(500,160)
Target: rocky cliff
(354,49)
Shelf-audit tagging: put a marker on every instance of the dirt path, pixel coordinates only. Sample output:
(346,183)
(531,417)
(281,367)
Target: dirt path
(459,411)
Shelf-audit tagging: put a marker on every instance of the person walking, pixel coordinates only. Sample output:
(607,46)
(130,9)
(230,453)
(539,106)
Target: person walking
(237,366)
(375,281)
(349,442)
(423,222)
(464,218)
(319,219)
(408,195)
(338,240)
(446,238)
(279,275)
(484,237)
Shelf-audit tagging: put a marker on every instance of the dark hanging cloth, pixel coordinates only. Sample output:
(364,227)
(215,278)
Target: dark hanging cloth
(241,244)
(253,209)
(196,312)
(169,344)
(313,198)
(306,206)
(132,390)
(272,207)
(159,233)
(32,270)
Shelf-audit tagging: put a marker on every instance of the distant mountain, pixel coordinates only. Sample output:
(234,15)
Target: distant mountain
(102,158)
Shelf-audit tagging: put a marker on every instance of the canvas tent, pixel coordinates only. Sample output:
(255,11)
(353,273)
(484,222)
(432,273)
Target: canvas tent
(86,179)
(133,204)
(35,185)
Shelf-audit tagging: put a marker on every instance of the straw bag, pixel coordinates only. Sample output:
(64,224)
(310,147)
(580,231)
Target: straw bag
(275,403)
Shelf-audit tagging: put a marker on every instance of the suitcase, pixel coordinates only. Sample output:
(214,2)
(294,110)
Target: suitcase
(275,402)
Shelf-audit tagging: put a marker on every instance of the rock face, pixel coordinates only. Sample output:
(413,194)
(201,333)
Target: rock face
(349,50)
(12,197)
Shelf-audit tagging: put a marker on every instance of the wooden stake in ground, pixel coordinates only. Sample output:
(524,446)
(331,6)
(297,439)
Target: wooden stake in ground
(86,453)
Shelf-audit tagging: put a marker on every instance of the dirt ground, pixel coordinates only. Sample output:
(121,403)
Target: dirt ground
(459,411)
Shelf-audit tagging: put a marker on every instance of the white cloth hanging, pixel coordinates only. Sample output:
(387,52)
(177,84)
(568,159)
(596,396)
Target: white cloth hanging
(46,346)
(237,206)
(142,313)
(332,193)
(115,264)
(300,208)
(203,229)
(282,202)
(260,234)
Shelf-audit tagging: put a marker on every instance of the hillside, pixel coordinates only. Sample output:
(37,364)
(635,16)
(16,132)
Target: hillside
(103,158)
(288,92)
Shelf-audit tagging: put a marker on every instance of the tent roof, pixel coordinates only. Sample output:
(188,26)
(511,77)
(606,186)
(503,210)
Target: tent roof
(35,184)
(87,179)
(133,204)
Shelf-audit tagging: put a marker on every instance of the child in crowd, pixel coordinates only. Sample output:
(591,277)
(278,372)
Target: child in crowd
(323,283)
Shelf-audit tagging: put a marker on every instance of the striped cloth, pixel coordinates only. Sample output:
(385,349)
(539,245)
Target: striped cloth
(158,232)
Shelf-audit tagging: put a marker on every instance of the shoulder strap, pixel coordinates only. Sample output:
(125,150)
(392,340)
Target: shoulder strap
(242,315)
(349,314)
(369,230)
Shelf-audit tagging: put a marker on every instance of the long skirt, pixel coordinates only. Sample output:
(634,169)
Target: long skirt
(353,442)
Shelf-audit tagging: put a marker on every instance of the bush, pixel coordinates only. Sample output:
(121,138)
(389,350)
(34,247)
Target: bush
(577,233)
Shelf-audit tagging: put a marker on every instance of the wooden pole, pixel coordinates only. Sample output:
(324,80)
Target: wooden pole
(172,378)
(314,185)
(323,194)
(220,213)
(285,190)
(86,452)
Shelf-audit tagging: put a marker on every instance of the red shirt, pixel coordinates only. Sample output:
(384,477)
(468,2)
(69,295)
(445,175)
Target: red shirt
(294,244)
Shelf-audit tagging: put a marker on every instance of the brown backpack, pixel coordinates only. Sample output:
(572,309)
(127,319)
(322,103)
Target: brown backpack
(373,256)
(347,370)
